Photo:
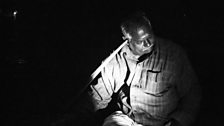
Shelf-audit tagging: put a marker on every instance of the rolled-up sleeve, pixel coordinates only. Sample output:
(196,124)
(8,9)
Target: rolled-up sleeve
(101,90)
(97,96)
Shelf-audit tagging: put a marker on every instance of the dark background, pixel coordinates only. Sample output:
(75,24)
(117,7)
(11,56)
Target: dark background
(50,48)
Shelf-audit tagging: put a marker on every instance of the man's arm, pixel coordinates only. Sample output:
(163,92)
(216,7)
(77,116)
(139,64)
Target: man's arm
(96,97)
(189,92)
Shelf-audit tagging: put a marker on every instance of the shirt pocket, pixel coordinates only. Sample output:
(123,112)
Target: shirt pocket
(158,82)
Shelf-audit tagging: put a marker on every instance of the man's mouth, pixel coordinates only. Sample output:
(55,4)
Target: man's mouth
(147,48)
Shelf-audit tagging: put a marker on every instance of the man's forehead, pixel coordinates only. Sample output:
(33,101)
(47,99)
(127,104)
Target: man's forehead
(143,30)
(143,33)
(144,36)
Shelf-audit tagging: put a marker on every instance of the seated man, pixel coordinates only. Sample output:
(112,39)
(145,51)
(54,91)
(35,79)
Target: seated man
(150,81)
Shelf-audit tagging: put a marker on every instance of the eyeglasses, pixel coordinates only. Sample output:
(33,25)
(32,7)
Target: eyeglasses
(145,42)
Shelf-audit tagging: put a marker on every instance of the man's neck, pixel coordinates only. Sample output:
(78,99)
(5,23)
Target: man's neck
(139,58)
(133,54)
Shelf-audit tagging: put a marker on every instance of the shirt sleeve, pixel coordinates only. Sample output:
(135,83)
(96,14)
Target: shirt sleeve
(101,90)
(189,91)
(97,96)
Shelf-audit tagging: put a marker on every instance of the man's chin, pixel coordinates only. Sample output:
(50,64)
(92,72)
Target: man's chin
(143,52)
(146,50)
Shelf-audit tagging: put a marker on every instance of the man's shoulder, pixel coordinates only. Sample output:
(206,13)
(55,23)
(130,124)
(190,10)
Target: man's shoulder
(174,51)
(118,58)
(167,43)
(170,45)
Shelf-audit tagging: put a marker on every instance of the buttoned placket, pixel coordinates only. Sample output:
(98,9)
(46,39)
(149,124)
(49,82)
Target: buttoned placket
(131,82)
(132,74)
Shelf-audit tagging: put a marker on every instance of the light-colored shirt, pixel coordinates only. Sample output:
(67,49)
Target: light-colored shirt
(159,86)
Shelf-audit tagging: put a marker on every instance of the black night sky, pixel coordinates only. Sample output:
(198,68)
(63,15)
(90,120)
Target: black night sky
(49,49)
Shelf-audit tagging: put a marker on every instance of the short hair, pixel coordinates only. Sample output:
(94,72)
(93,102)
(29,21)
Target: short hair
(134,21)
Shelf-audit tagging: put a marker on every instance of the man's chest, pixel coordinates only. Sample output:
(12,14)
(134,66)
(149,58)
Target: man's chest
(152,79)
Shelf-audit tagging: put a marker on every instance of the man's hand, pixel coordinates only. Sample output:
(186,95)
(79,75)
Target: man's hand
(173,122)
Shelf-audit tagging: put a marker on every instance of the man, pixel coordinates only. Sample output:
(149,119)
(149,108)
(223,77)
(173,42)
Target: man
(150,79)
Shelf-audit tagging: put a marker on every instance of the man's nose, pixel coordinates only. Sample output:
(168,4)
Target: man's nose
(146,43)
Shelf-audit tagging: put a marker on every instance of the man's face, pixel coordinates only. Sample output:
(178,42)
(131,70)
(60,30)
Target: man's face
(143,44)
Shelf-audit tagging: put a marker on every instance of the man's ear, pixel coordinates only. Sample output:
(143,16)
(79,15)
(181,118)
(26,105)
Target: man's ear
(126,36)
